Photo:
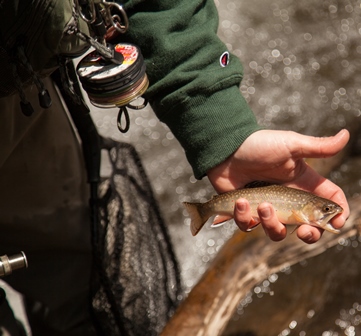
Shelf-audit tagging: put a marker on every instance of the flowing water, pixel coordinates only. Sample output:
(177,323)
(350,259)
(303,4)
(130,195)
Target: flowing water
(302,72)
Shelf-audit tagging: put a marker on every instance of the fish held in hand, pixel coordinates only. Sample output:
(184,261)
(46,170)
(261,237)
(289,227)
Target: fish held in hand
(292,206)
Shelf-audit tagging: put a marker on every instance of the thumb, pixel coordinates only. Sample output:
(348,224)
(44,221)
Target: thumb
(314,147)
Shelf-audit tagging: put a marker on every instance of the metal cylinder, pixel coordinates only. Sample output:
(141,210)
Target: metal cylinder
(12,263)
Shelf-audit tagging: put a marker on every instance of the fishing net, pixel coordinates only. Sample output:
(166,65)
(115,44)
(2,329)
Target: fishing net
(137,287)
(136,279)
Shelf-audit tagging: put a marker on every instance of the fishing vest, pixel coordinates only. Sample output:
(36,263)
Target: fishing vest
(33,34)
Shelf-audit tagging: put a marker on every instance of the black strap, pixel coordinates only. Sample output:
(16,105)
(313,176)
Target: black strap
(80,113)
(91,144)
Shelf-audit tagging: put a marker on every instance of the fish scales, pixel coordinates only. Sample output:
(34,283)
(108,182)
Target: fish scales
(292,206)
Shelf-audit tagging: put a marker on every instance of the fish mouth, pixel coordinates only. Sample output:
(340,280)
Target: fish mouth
(324,222)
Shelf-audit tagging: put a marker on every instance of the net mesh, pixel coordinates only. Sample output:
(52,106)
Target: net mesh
(137,289)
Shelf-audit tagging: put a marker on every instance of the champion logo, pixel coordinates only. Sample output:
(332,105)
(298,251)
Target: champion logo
(224,59)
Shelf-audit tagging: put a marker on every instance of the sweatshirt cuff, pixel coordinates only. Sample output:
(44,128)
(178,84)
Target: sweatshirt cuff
(211,128)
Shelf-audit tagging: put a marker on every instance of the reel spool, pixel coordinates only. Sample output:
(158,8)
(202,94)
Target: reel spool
(110,85)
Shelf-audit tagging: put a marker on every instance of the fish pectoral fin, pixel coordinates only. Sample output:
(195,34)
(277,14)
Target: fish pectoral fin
(299,218)
(294,230)
(220,220)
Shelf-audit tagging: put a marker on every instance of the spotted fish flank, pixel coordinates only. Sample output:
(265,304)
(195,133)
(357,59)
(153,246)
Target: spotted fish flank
(292,206)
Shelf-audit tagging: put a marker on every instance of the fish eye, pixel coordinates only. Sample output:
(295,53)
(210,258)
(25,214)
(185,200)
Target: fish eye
(327,208)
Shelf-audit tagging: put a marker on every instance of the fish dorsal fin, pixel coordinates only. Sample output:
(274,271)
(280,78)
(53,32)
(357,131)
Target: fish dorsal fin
(257,184)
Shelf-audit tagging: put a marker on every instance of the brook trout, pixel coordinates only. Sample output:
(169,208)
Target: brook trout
(292,206)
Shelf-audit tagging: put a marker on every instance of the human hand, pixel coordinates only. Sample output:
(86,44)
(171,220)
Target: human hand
(277,157)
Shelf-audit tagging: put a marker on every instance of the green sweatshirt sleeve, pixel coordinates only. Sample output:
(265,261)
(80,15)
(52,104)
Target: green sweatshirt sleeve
(190,91)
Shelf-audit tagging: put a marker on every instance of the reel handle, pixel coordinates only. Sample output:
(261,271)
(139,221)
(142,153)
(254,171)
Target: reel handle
(12,263)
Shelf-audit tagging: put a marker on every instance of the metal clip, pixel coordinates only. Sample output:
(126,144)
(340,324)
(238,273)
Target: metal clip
(90,15)
(88,12)
(119,20)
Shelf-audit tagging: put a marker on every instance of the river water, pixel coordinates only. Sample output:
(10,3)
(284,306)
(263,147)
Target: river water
(302,72)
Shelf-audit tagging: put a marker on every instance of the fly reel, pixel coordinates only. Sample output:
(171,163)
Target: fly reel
(109,84)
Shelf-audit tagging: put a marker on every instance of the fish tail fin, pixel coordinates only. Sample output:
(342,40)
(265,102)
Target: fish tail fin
(198,219)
